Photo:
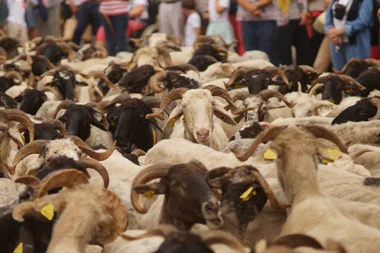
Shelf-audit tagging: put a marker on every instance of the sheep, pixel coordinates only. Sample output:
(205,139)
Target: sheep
(183,56)
(364,110)
(257,79)
(217,71)
(198,125)
(89,51)
(72,147)
(100,211)
(83,121)
(214,40)
(128,123)
(215,51)
(354,67)
(366,156)
(165,238)
(136,80)
(332,87)
(202,62)
(7,101)
(157,57)
(187,197)
(302,190)
(299,74)
(248,55)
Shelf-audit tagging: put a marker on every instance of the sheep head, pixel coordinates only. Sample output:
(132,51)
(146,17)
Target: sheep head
(170,80)
(72,147)
(257,80)
(128,124)
(198,108)
(364,110)
(102,216)
(157,57)
(188,198)
(332,86)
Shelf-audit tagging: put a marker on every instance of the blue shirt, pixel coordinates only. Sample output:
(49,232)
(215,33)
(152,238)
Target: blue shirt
(360,26)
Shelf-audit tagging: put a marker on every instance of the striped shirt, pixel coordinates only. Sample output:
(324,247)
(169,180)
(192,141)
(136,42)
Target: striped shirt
(113,8)
(272,11)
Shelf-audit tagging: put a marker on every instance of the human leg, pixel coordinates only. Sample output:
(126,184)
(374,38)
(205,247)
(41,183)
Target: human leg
(249,38)
(164,24)
(177,19)
(95,18)
(120,24)
(83,19)
(323,59)
(303,45)
(110,37)
(338,57)
(266,34)
(285,34)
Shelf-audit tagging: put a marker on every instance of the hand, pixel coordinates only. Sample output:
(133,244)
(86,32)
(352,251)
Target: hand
(252,8)
(378,13)
(306,19)
(333,32)
(337,41)
(205,15)
(256,13)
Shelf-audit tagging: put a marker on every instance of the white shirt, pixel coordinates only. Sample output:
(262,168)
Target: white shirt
(192,22)
(145,14)
(16,12)
(214,16)
(339,24)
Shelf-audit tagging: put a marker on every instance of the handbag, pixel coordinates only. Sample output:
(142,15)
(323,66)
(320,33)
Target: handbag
(69,28)
(319,23)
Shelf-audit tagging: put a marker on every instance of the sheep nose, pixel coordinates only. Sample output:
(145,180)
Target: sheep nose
(203,133)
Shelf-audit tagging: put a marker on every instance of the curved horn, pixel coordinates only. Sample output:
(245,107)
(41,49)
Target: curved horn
(118,100)
(21,117)
(322,132)
(138,152)
(57,124)
(89,151)
(376,102)
(273,71)
(237,73)
(64,178)
(297,240)
(268,191)
(165,53)
(306,68)
(103,77)
(29,180)
(151,102)
(155,79)
(349,79)
(170,97)
(217,91)
(63,106)
(299,91)
(314,88)
(267,94)
(67,50)
(214,237)
(14,74)
(35,147)
(95,165)
(264,136)
(348,63)
(174,39)
(144,176)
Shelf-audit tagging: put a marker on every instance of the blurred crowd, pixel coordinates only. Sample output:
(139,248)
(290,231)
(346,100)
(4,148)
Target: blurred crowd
(319,33)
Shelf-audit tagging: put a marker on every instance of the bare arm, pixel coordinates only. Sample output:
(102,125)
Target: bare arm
(219,9)
(137,11)
(197,32)
(252,7)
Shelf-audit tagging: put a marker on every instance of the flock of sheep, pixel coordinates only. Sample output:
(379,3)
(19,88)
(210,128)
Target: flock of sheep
(184,150)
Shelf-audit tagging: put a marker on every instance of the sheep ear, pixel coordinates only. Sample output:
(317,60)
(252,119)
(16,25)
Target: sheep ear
(149,190)
(329,154)
(174,116)
(223,115)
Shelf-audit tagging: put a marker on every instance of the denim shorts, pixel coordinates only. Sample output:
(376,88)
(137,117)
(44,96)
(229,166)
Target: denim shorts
(30,17)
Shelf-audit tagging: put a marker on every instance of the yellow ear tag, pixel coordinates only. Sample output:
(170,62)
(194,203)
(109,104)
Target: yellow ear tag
(171,124)
(325,161)
(149,194)
(270,155)
(19,248)
(248,194)
(348,91)
(334,153)
(48,211)
(330,103)
(22,137)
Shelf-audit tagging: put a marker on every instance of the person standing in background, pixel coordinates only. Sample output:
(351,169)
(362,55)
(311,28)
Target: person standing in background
(259,27)
(48,18)
(219,23)
(115,22)
(348,24)
(171,17)
(201,6)
(87,13)
(193,23)
(31,21)
(375,43)
(16,24)
(236,25)
(292,22)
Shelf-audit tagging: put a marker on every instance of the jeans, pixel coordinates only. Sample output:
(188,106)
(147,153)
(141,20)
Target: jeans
(340,58)
(116,42)
(88,13)
(296,35)
(261,35)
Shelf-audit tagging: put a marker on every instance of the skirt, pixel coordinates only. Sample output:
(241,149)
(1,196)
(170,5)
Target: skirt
(224,29)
